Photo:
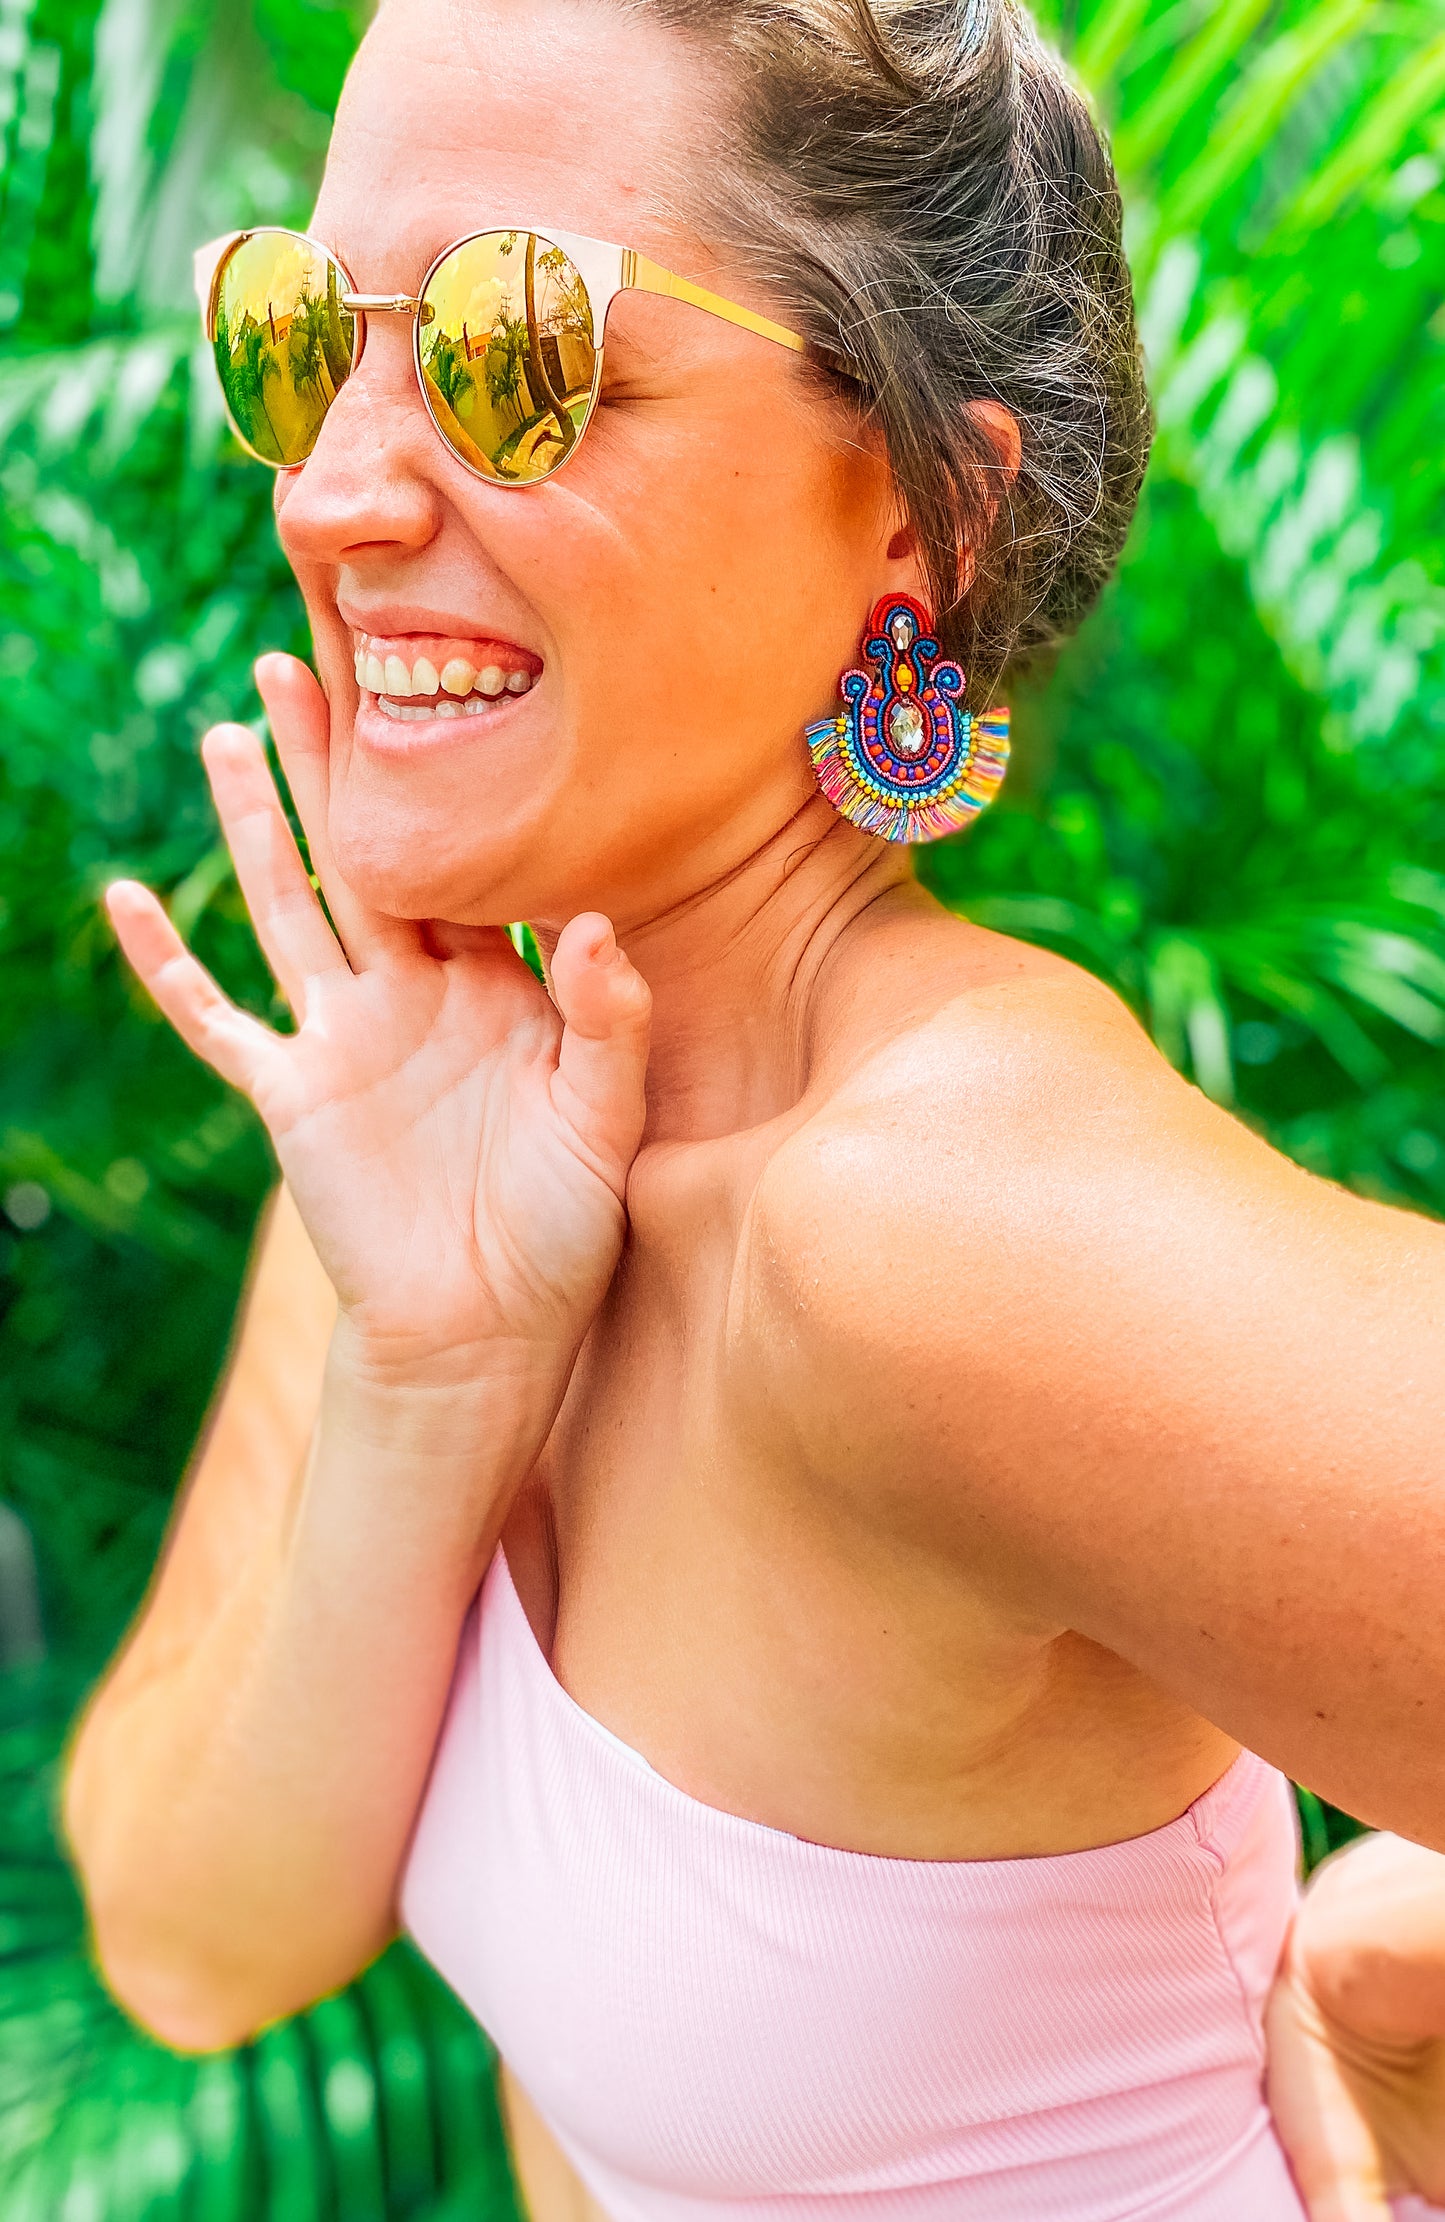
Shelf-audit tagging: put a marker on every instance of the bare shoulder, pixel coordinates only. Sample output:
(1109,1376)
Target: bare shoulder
(1012,1197)
(958,1066)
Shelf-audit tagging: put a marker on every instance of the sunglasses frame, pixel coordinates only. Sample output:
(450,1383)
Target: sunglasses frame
(605,270)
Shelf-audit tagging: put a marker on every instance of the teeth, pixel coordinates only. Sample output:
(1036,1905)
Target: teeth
(410,713)
(457,680)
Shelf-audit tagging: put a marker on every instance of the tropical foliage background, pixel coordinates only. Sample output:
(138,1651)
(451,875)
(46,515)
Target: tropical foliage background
(1229,800)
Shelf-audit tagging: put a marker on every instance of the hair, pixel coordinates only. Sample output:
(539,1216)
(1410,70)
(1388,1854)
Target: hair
(929,190)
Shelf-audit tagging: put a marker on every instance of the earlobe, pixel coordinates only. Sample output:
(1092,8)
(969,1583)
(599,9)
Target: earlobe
(905,550)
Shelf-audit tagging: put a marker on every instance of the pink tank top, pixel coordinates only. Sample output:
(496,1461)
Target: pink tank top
(724,2023)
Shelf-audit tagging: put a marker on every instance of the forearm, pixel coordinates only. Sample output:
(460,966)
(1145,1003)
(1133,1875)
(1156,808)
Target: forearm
(240,1819)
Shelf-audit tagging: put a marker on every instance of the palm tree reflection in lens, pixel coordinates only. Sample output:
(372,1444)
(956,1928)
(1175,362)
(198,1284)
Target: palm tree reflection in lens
(283,344)
(508,354)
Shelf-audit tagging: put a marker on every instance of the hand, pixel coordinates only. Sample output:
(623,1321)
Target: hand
(1356,2033)
(458,1148)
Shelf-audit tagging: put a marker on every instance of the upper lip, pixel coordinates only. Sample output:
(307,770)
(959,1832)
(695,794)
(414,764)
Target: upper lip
(393,619)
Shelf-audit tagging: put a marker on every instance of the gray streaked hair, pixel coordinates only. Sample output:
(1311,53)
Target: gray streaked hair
(924,183)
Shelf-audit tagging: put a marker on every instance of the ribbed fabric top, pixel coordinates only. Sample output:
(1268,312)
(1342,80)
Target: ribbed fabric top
(724,2023)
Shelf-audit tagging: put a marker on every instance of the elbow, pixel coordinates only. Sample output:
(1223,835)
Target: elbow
(161,1970)
(202,1960)
(172,1992)
(190,1990)
(136,1945)
(177,2011)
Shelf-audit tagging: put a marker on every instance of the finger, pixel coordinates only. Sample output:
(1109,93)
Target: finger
(290,923)
(300,719)
(1387,1896)
(230,1041)
(606,1006)
(1325,2133)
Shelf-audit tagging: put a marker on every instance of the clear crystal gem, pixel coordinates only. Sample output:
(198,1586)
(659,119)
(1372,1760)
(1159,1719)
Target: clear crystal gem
(905,728)
(902,629)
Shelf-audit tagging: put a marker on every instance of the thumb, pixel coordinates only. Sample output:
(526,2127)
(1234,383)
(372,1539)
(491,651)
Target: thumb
(606,1007)
(1325,2133)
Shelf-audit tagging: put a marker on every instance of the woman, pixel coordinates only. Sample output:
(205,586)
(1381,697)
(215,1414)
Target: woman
(912,1450)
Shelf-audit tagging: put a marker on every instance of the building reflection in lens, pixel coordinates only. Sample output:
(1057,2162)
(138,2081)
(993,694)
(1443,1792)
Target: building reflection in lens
(507,353)
(283,343)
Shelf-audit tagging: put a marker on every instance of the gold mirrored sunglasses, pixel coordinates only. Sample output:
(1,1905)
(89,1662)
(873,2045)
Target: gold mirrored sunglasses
(507,333)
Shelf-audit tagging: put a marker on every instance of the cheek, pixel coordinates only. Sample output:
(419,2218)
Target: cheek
(732,580)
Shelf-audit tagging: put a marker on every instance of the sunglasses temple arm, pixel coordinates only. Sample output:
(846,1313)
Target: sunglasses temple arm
(650,277)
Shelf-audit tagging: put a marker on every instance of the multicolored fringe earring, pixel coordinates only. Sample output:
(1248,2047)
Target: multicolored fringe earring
(902,758)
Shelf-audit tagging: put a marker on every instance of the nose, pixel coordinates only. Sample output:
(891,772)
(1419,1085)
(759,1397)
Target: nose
(366,489)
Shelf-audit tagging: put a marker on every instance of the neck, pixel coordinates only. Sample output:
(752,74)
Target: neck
(735,967)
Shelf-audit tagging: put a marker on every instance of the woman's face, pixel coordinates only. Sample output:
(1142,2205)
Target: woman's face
(684,593)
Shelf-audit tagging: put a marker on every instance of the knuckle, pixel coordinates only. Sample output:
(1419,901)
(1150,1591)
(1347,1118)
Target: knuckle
(632,998)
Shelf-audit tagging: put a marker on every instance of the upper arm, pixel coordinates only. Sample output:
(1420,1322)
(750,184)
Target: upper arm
(1130,1364)
(251,1452)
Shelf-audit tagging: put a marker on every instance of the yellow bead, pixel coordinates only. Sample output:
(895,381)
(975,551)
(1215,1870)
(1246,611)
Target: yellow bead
(905,678)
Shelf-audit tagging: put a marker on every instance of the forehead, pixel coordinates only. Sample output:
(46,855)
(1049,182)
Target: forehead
(463,113)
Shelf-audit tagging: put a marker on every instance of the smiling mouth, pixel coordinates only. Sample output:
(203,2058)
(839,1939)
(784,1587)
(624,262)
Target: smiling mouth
(413,679)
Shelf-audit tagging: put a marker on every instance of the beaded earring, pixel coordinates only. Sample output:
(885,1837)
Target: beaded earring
(902,758)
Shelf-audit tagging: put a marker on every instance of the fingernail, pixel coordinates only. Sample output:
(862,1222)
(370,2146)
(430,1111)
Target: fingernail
(604,946)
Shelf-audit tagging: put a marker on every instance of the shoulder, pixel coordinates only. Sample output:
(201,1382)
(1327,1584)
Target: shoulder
(933,1123)
(1004,1195)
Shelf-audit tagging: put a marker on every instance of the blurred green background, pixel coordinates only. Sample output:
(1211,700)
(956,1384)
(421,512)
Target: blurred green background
(1229,800)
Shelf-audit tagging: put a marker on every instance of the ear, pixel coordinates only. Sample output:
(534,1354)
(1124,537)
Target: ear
(906,574)
(1001,428)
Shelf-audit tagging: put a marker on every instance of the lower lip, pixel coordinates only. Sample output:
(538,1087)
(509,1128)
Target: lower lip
(387,735)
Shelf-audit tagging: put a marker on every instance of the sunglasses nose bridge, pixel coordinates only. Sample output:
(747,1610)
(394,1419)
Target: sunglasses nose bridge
(388,304)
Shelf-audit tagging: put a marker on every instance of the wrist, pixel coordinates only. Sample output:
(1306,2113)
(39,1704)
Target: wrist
(486,1403)
(419,1362)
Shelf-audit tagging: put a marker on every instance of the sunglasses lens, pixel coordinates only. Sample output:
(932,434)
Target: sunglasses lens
(283,342)
(508,354)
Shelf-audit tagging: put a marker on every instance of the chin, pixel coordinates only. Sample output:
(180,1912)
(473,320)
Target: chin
(406,864)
